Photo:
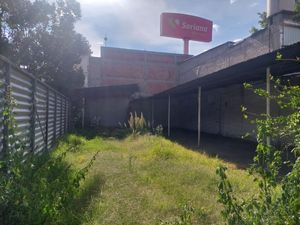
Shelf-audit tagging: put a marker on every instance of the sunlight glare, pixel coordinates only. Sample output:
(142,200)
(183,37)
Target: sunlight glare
(102,2)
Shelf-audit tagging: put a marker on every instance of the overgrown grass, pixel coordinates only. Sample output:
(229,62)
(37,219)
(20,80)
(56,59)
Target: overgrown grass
(147,180)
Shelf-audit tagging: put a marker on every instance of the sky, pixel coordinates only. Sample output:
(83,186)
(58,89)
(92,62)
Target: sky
(135,24)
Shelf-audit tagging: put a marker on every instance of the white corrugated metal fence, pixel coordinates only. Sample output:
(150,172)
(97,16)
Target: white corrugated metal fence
(41,113)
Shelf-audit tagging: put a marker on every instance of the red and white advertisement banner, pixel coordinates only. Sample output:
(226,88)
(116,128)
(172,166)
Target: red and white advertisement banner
(185,27)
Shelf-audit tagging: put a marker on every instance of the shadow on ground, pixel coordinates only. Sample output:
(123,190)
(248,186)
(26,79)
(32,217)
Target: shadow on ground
(90,133)
(237,151)
(81,206)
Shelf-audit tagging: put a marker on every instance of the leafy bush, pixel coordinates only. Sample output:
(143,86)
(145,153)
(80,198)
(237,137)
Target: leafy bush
(158,130)
(278,198)
(35,188)
(38,189)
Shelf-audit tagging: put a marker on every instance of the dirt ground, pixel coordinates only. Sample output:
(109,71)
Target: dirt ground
(237,151)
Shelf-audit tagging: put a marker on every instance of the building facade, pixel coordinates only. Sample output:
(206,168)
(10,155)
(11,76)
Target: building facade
(155,73)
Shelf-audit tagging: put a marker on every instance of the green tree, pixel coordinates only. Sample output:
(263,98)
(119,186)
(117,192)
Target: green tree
(41,36)
(297,10)
(263,23)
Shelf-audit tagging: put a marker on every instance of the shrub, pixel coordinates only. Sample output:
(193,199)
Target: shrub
(278,197)
(137,124)
(35,188)
(158,130)
(38,189)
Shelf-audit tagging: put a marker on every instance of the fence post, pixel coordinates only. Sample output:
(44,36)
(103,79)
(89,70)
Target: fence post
(33,115)
(54,119)
(7,91)
(61,117)
(65,116)
(69,115)
(47,118)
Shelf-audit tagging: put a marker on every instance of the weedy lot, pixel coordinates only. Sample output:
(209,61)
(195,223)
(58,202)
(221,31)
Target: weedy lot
(147,179)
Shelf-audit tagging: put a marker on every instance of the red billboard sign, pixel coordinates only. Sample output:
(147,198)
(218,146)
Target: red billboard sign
(185,27)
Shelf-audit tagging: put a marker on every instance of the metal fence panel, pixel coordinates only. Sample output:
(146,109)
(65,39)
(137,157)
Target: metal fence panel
(2,71)
(21,91)
(40,112)
(40,120)
(51,119)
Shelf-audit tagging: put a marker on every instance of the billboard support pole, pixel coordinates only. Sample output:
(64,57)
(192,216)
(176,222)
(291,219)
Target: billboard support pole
(186,46)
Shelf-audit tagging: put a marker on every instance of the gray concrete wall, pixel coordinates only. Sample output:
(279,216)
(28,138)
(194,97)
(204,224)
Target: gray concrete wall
(221,111)
(109,111)
(231,53)
(224,56)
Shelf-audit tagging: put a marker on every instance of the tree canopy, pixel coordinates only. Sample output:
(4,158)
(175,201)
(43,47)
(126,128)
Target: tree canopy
(263,23)
(297,10)
(40,35)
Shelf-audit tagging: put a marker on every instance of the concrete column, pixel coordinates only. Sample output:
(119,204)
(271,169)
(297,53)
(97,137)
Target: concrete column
(169,116)
(152,113)
(199,116)
(186,46)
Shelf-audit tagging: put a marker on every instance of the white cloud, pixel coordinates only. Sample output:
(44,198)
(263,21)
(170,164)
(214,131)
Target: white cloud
(233,1)
(253,4)
(216,27)
(123,21)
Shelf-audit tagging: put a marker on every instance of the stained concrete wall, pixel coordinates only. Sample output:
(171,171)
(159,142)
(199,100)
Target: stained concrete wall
(220,112)
(107,112)
(154,72)
(231,53)
(224,56)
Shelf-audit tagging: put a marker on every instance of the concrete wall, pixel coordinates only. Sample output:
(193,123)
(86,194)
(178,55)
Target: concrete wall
(220,113)
(232,53)
(108,111)
(224,56)
(152,71)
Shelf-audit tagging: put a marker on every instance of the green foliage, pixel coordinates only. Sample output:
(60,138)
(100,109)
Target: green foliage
(40,36)
(297,11)
(263,23)
(36,189)
(158,130)
(278,198)
(75,141)
(185,217)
